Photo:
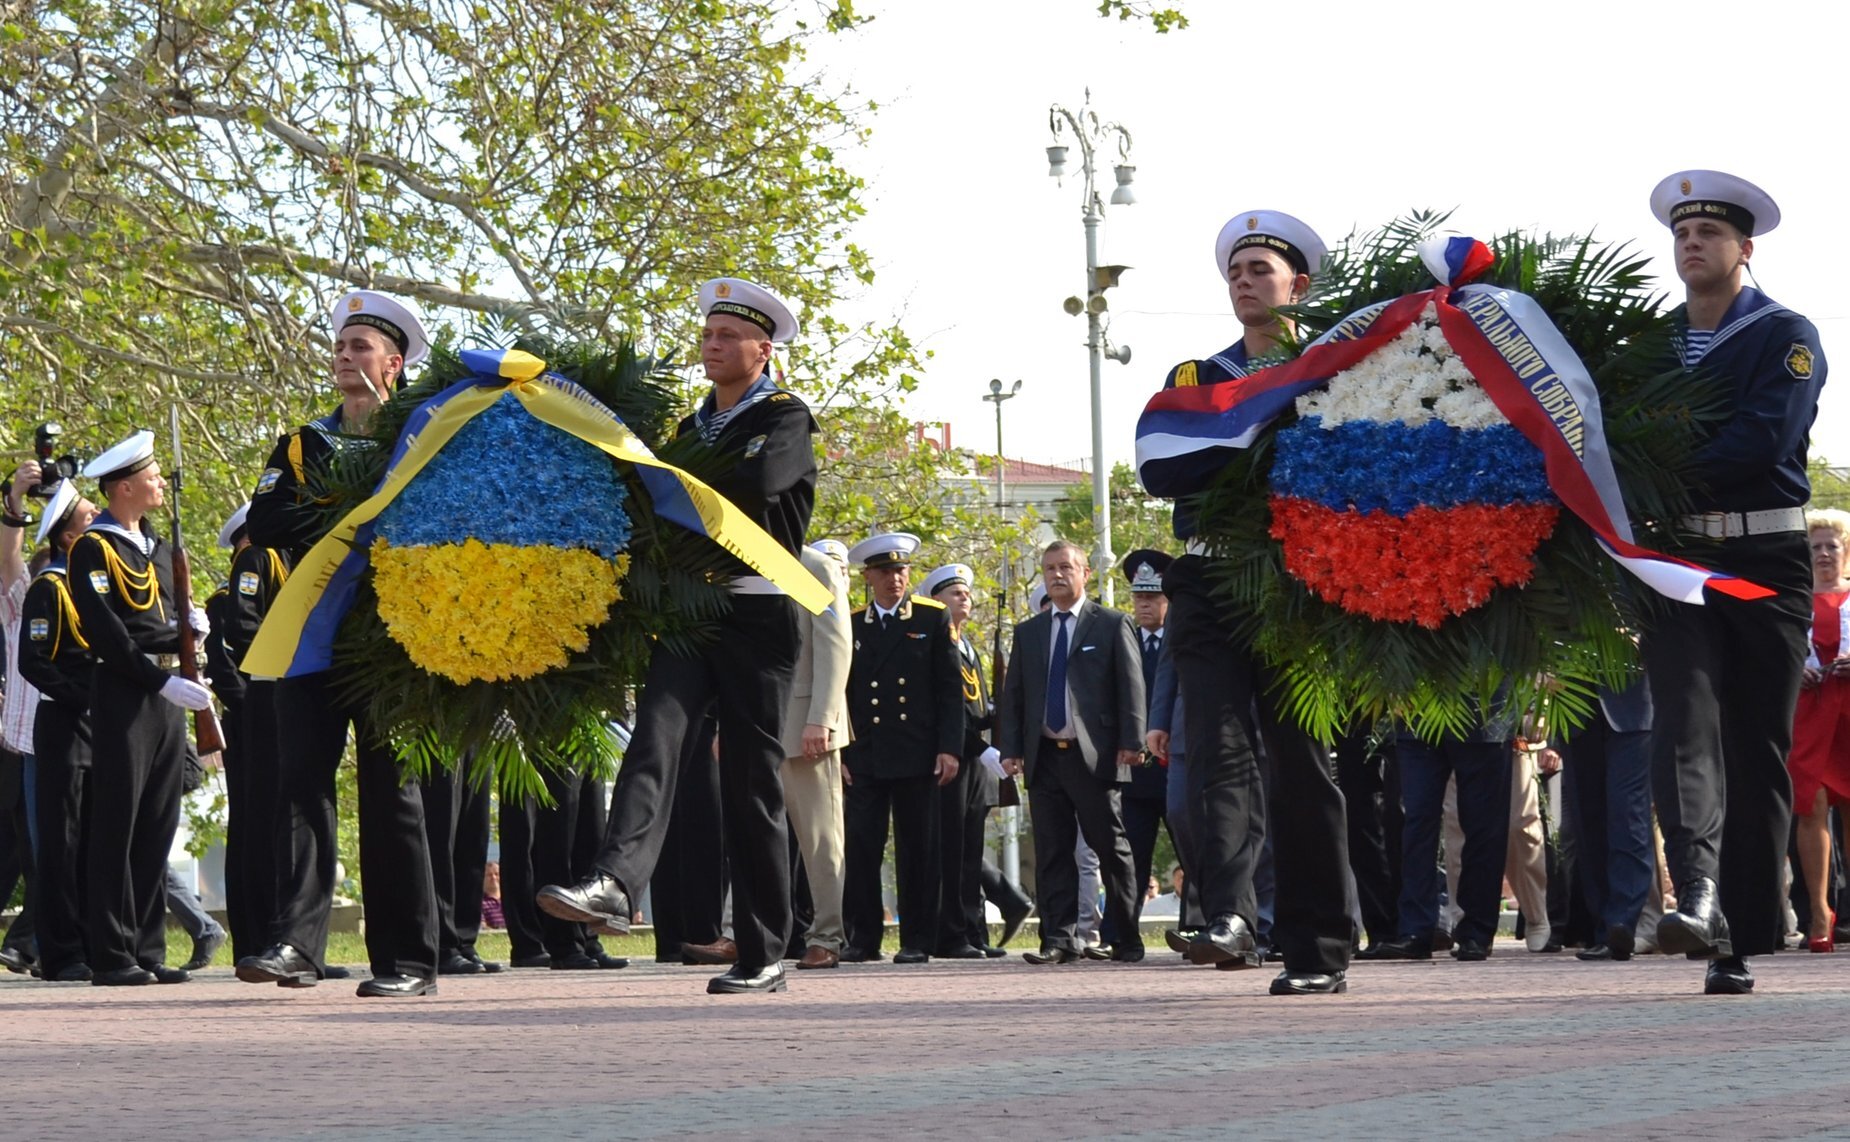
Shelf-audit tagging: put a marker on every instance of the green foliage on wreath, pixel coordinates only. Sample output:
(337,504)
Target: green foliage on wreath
(1551,643)
(512,730)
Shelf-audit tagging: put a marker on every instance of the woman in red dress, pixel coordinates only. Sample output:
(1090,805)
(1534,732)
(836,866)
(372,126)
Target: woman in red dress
(1820,759)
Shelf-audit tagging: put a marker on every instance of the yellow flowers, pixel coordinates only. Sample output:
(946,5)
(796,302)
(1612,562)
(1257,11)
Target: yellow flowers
(475,611)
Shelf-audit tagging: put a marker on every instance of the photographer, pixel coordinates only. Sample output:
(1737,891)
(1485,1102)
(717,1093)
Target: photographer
(17,770)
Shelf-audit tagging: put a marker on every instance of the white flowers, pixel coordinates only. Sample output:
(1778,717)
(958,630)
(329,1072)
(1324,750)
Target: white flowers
(1413,379)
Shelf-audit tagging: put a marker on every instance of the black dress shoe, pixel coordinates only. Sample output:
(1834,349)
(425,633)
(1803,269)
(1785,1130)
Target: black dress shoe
(458,964)
(545,961)
(396,987)
(336,971)
(1619,940)
(1179,939)
(136,976)
(70,973)
(1229,940)
(1100,952)
(1595,954)
(1127,954)
(961,952)
(19,961)
(204,949)
(281,965)
(1727,976)
(1011,924)
(1271,954)
(489,967)
(598,900)
(1289,982)
(577,961)
(1697,928)
(164,974)
(739,979)
(608,962)
(1470,951)
(860,956)
(911,956)
(1402,948)
(993,952)
(1051,956)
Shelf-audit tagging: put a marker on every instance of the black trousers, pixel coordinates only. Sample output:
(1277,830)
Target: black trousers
(913,805)
(555,838)
(139,740)
(401,905)
(252,820)
(1724,683)
(526,938)
(1004,893)
(456,829)
(1219,682)
(1142,815)
(687,894)
(16,852)
(745,679)
(1606,776)
(1370,781)
(1066,801)
(62,749)
(1482,770)
(960,859)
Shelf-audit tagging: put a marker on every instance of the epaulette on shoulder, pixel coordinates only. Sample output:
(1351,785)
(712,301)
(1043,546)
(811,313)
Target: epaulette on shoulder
(52,572)
(775,397)
(922,601)
(1185,375)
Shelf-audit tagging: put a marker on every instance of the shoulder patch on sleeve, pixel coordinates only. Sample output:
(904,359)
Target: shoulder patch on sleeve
(756,444)
(267,481)
(41,630)
(1799,361)
(248,582)
(99,581)
(1185,377)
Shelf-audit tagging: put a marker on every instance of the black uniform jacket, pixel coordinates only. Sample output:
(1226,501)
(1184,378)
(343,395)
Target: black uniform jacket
(124,596)
(771,470)
(53,653)
(905,692)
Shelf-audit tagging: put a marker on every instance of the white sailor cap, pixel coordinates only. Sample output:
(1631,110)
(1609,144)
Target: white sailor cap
(950,573)
(228,534)
(1280,233)
(894,549)
(58,511)
(750,302)
(1714,194)
(1037,598)
(398,318)
(125,459)
(833,548)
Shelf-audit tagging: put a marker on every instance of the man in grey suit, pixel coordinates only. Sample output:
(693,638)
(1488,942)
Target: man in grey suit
(815,729)
(1072,716)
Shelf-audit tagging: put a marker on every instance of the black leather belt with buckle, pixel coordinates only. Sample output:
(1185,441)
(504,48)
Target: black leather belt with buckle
(1061,743)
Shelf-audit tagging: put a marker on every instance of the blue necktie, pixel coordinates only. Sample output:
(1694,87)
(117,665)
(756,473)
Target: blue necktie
(1056,677)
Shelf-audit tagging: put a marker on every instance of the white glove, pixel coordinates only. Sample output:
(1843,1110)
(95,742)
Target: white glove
(201,625)
(186,694)
(992,761)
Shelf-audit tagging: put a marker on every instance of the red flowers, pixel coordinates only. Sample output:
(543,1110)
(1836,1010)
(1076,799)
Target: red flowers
(1421,567)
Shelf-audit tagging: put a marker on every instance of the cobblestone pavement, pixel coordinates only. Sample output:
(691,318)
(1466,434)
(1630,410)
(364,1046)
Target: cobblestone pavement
(1523,1046)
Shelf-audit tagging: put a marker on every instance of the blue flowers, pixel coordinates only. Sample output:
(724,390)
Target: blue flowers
(1376,466)
(510,478)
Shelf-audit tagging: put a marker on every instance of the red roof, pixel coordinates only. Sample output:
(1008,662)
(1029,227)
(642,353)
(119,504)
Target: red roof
(1027,471)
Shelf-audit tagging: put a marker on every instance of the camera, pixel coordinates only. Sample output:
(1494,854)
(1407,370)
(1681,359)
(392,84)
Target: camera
(51,469)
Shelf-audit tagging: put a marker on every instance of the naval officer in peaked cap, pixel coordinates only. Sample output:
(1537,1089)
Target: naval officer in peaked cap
(906,709)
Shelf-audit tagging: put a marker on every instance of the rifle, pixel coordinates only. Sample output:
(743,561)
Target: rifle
(206,732)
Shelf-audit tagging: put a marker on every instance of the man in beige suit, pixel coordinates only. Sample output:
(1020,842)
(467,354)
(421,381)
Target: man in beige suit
(815,729)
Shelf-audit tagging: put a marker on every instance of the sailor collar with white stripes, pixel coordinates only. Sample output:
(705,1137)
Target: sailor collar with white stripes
(1748,307)
(710,422)
(144,541)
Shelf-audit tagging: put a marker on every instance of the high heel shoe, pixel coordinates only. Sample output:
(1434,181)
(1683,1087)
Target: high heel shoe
(1828,941)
